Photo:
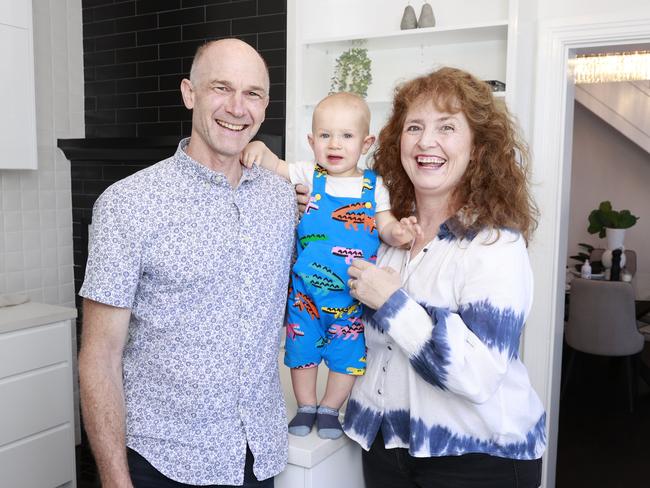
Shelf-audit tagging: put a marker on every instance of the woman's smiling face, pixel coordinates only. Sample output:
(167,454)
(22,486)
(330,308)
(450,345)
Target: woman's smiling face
(435,149)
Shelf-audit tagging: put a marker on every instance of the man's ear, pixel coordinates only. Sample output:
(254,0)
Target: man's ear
(187,90)
(368,141)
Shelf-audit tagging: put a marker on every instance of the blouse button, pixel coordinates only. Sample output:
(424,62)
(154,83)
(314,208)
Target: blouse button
(389,348)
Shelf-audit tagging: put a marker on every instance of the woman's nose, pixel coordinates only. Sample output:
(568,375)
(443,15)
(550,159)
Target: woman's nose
(429,138)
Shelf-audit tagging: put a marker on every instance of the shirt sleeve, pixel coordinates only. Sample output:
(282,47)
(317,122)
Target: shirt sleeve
(113,268)
(382,198)
(302,172)
(468,351)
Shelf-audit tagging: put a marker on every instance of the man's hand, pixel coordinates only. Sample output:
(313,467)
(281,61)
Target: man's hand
(302,195)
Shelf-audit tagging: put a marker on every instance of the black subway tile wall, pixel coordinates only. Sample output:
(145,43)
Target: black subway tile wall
(137,52)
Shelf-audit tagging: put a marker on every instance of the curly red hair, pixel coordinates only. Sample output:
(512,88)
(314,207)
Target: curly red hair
(493,193)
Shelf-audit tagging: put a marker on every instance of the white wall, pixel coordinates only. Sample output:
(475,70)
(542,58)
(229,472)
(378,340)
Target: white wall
(35,206)
(608,166)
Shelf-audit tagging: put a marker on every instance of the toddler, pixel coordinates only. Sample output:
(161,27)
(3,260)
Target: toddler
(348,211)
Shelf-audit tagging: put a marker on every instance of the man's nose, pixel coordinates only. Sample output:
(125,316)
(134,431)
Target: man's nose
(235,104)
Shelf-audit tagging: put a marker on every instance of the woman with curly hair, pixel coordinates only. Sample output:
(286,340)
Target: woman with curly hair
(446,401)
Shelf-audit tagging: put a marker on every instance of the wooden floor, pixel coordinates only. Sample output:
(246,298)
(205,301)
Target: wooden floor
(601,444)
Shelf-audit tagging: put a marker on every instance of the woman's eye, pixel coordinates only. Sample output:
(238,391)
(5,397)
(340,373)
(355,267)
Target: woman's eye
(447,128)
(412,128)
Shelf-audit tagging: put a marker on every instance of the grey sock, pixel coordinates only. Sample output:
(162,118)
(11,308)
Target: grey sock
(302,423)
(327,422)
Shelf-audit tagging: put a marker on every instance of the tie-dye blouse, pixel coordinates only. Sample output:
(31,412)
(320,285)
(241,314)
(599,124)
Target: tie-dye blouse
(443,375)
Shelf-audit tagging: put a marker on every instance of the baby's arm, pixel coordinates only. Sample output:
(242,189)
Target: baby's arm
(257,152)
(395,232)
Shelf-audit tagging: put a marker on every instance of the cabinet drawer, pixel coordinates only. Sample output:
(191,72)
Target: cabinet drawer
(35,402)
(44,461)
(33,348)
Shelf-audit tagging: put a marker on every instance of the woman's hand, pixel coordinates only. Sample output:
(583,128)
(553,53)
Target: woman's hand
(372,285)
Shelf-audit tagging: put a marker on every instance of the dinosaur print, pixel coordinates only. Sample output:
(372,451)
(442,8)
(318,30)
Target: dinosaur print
(324,279)
(356,371)
(320,171)
(352,215)
(303,302)
(311,205)
(339,312)
(367,186)
(306,240)
(293,330)
(351,331)
(347,252)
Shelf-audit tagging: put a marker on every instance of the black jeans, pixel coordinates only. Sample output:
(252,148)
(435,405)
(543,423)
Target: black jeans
(396,468)
(144,475)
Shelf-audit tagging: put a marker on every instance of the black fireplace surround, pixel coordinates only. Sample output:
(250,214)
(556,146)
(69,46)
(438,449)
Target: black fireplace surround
(98,163)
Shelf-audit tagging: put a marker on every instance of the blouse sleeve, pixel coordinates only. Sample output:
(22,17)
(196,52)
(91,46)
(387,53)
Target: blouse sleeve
(468,351)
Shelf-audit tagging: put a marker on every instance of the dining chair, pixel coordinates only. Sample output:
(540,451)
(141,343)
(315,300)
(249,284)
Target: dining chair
(602,322)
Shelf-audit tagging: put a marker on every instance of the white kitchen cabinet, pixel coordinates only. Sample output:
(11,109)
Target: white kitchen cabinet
(36,397)
(475,35)
(17,93)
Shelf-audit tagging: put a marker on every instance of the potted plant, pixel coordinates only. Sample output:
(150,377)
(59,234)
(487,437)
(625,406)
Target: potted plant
(611,223)
(352,71)
(582,256)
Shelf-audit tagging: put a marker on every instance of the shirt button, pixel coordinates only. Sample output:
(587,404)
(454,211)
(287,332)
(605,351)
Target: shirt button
(389,348)
(379,392)
(383,368)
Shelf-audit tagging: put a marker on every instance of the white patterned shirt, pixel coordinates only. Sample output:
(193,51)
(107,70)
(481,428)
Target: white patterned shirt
(443,373)
(204,269)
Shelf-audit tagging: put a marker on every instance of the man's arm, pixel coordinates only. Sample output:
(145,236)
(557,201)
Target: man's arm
(104,334)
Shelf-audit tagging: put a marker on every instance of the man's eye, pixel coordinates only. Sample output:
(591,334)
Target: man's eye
(221,88)
(254,94)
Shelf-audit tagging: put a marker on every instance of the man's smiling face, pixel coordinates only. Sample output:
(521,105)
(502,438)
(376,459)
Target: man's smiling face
(228,94)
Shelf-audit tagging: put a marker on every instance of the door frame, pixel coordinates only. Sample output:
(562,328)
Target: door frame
(551,180)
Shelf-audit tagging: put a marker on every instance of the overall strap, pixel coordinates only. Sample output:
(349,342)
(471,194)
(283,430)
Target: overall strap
(319,180)
(369,184)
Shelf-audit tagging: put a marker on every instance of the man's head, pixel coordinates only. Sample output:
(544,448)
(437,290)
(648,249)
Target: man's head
(339,137)
(228,92)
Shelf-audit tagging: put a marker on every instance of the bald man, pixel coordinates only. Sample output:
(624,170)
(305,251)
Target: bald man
(184,298)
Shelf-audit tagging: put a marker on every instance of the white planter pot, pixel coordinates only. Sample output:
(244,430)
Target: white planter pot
(615,238)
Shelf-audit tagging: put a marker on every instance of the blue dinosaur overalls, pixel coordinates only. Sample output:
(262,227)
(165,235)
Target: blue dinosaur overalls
(323,320)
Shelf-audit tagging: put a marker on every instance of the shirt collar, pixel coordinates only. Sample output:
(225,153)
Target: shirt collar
(201,171)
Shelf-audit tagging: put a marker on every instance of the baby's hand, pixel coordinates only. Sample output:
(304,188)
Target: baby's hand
(406,230)
(253,153)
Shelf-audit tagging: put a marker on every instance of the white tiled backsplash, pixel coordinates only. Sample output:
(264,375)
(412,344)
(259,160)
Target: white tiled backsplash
(35,206)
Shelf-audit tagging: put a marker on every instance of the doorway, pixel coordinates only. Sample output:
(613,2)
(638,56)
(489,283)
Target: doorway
(558,41)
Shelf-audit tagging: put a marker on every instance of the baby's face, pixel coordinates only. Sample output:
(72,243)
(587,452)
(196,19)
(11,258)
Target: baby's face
(339,138)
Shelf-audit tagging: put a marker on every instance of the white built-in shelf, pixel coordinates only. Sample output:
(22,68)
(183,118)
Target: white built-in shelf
(459,34)
(376,102)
